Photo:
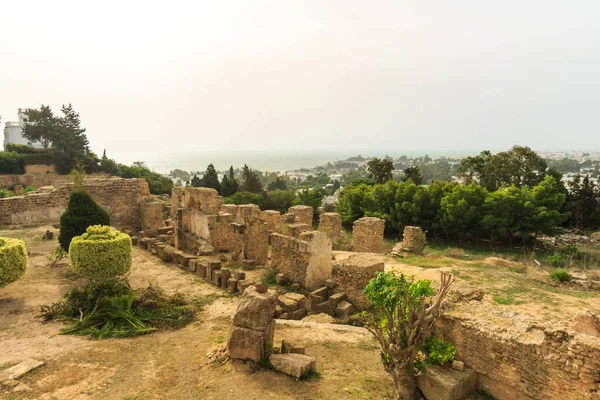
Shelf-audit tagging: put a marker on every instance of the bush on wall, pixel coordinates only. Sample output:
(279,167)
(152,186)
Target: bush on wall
(82,211)
(13,260)
(101,254)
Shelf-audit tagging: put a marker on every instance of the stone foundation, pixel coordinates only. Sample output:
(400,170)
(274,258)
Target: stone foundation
(352,275)
(305,260)
(367,235)
(304,214)
(120,197)
(331,223)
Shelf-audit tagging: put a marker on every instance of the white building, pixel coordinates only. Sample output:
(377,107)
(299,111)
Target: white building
(13,131)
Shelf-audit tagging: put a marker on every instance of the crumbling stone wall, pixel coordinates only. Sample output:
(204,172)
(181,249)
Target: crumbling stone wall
(39,180)
(151,213)
(304,214)
(120,197)
(202,219)
(537,363)
(331,223)
(305,260)
(273,220)
(413,240)
(367,235)
(352,275)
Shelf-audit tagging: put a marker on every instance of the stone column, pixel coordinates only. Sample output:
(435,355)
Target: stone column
(367,235)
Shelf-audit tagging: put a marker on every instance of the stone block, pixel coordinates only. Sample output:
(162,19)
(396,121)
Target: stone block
(458,365)
(255,310)
(239,275)
(437,383)
(212,265)
(298,298)
(288,347)
(288,305)
(225,275)
(22,368)
(344,309)
(244,284)
(246,344)
(216,277)
(296,365)
(325,307)
(176,255)
(193,265)
(281,279)
(232,285)
(167,253)
(201,269)
(298,314)
(337,297)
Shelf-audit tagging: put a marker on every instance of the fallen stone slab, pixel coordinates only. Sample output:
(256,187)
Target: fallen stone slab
(293,364)
(17,371)
(437,383)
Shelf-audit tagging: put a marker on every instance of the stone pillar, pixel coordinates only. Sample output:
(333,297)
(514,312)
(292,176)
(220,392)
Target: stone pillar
(413,240)
(367,235)
(251,335)
(152,217)
(331,223)
(18,190)
(304,214)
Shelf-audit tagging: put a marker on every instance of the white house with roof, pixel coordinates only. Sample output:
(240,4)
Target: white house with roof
(13,131)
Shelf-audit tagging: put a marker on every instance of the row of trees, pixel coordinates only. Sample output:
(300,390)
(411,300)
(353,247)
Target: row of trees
(459,211)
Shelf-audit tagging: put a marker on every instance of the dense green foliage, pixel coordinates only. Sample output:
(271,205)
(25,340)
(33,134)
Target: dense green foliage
(458,211)
(583,201)
(13,260)
(112,310)
(11,162)
(157,183)
(101,254)
(561,275)
(438,351)
(250,181)
(380,170)
(82,211)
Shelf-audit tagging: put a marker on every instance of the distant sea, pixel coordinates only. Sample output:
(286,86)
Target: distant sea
(273,161)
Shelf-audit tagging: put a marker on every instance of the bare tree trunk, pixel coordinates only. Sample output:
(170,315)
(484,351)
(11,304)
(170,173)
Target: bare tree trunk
(406,385)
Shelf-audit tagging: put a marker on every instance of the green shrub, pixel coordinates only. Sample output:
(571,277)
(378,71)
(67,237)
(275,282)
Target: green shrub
(4,193)
(569,251)
(13,260)
(246,198)
(20,148)
(29,189)
(101,253)
(82,211)
(556,260)
(561,275)
(438,351)
(11,163)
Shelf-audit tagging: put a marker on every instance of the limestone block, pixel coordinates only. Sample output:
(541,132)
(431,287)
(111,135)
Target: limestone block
(225,275)
(22,368)
(151,217)
(304,214)
(288,305)
(288,347)
(344,309)
(296,365)
(246,344)
(331,223)
(201,269)
(255,310)
(167,253)
(232,285)
(587,323)
(367,235)
(212,266)
(437,383)
(216,277)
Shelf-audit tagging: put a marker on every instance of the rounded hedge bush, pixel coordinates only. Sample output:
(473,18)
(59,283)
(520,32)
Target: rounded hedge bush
(13,260)
(100,253)
(81,212)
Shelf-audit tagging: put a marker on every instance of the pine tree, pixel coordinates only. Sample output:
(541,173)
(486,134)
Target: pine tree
(250,181)
(211,179)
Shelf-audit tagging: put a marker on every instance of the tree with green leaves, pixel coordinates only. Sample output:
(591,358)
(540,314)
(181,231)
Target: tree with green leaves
(277,184)
(461,211)
(40,127)
(413,174)
(69,142)
(196,182)
(584,202)
(250,181)
(402,317)
(211,178)
(380,170)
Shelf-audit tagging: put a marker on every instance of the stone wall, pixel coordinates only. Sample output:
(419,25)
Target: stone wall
(367,235)
(120,197)
(39,180)
(304,214)
(202,220)
(305,260)
(352,275)
(273,220)
(331,223)
(151,214)
(39,168)
(533,363)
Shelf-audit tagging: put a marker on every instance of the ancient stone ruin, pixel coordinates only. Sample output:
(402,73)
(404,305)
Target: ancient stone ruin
(413,241)
(331,223)
(304,214)
(367,235)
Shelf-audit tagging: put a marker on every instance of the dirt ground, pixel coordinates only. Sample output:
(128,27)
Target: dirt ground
(174,364)
(165,365)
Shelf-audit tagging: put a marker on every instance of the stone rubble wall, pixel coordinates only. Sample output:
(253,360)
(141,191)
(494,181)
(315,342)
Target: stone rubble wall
(352,275)
(39,180)
(120,197)
(304,214)
(273,220)
(305,260)
(367,235)
(331,223)
(539,363)
(151,213)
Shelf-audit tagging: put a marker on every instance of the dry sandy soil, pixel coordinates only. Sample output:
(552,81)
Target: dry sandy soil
(165,365)
(174,364)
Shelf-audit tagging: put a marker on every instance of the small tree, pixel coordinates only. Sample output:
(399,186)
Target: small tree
(380,170)
(250,181)
(401,320)
(82,211)
(41,127)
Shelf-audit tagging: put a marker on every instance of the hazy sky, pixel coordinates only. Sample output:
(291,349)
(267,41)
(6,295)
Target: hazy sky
(150,77)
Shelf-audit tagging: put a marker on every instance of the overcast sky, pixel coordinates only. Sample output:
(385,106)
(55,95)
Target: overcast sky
(333,75)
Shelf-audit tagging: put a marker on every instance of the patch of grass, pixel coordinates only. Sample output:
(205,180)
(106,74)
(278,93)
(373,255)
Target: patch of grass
(208,299)
(311,375)
(504,300)
(561,275)
(7,365)
(269,275)
(368,345)
(114,310)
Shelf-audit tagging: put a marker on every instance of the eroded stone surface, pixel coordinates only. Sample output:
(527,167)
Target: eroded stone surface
(293,364)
